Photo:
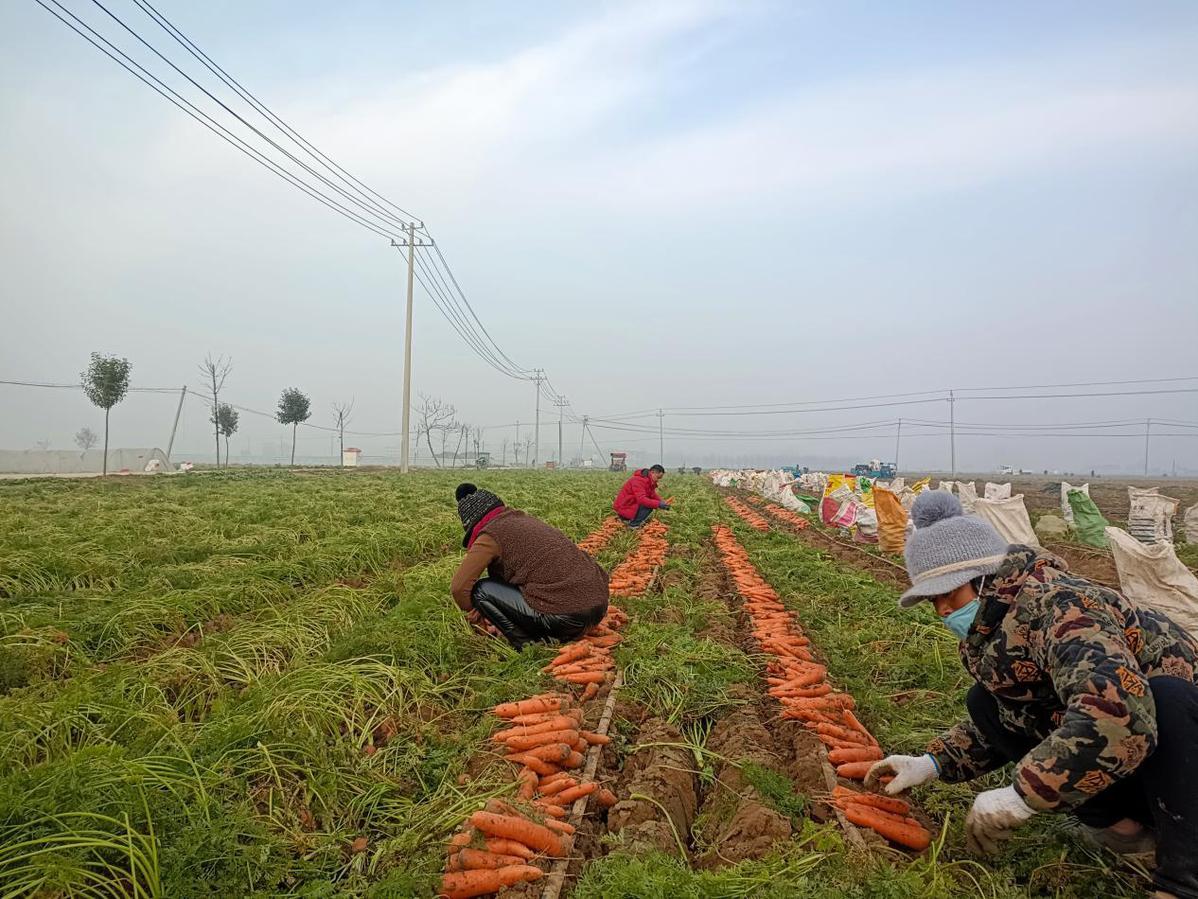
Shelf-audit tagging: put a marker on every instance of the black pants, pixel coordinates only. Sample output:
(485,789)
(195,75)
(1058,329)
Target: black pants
(1162,793)
(503,605)
(641,516)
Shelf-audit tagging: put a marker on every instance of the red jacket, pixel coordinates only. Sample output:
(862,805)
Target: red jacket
(637,491)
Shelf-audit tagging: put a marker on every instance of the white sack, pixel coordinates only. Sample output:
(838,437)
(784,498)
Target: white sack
(998,491)
(968,493)
(1150,519)
(946,486)
(1154,578)
(1190,524)
(1009,517)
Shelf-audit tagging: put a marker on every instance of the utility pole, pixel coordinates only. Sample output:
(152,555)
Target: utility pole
(952,429)
(516,448)
(582,436)
(898,436)
(661,439)
(561,402)
(538,377)
(1147,437)
(171,443)
(411,243)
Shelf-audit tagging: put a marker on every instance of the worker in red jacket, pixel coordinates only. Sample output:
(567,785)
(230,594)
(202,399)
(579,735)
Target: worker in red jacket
(638,497)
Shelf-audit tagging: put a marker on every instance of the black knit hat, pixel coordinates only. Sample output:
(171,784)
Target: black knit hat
(473,505)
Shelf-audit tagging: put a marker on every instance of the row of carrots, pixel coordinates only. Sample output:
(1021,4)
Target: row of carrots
(747,515)
(594,542)
(800,685)
(544,736)
(798,522)
(633,576)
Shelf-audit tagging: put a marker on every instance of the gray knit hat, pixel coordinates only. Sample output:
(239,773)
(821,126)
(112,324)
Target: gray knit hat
(948,548)
(473,505)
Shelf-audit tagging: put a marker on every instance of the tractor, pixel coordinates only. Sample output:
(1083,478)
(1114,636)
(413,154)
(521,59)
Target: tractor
(619,462)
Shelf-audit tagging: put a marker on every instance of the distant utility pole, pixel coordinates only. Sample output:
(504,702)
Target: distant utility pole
(175,427)
(952,429)
(661,439)
(538,377)
(516,447)
(898,436)
(582,436)
(411,243)
(561,402)
(1147,437)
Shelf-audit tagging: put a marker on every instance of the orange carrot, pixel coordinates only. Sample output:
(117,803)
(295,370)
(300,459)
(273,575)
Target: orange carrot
(468,884)
(550,809)
(864,754)
(528,761)
(885,803)
(565,783)
(553,753)
(532,741)
(586,789)
(521,830)
(501,846)
(481,859)
(554,778)
(459,841)
(606,798)
(541,717)
(588,677)
(854,770)
(559,826)
(527,707)
(904,831)
(576,760)
(528,783)
(595,739)
(557,722)
(590,692)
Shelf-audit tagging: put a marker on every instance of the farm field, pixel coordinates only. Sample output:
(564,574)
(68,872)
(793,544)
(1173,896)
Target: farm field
(255,684)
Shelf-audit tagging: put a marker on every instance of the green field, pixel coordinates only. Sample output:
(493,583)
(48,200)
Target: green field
(255,684)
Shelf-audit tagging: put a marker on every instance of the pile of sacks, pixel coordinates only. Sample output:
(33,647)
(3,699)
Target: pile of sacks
(774,484)
(872,511)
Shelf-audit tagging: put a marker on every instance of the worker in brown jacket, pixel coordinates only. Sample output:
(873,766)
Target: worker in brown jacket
(540,585)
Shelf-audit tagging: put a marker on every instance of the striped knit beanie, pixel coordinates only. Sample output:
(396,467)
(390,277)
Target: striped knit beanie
(473,504)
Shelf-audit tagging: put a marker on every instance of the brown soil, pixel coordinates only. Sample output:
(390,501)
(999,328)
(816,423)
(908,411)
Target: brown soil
(660,790)
(1095,565)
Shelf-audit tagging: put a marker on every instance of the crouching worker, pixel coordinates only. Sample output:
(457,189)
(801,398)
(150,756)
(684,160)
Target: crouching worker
(540,585)
(1092,697)
(638,497)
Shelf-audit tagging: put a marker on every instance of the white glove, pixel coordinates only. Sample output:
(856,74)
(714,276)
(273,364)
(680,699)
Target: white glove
(993,818)
(908,771)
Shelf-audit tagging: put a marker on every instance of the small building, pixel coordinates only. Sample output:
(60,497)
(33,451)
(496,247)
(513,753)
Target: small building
(350,456)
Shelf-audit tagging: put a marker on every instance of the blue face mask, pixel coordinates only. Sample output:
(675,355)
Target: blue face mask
(959,621)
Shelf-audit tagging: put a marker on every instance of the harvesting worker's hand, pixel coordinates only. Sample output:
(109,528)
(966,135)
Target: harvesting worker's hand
(993,819)
(907,770)
(664,506)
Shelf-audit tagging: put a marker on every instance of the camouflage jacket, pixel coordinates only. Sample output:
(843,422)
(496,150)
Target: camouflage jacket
(1068,661)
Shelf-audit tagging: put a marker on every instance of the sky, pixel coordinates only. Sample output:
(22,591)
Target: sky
(677,205)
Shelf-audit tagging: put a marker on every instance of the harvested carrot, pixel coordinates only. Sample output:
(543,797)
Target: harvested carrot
(586,789)
(500,846)
(510,827)
(554,778)
(481,859)
(557,722)
(864,754)
(557,786)
(885,803)
(854,770)
(468,884)
(587,677)
(528,707)
(553,811)
(528,782)
(595,739)
(534,741)
(606,798)
(459,841)
(904,831)
(542,717)
(559,826)
(528,761)
(553,753)
(576,760)
(590,692)
(841,733)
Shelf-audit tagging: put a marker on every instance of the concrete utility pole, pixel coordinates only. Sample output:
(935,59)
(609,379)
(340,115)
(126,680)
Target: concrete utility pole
(538,377)
(661,439)
(582,436)
(952,429)
(517,446)
(898,436)
(175,427)
(411,243)
(561,402)
(1147,437)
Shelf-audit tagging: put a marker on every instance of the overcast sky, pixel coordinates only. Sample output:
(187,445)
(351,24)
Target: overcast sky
(661,204)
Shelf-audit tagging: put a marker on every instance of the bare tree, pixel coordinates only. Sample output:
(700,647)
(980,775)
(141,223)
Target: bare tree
(106,382)
(294,409)
(215,371)
(434,414)
(43,445)
(341,416)
(463,435)
(86,438)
